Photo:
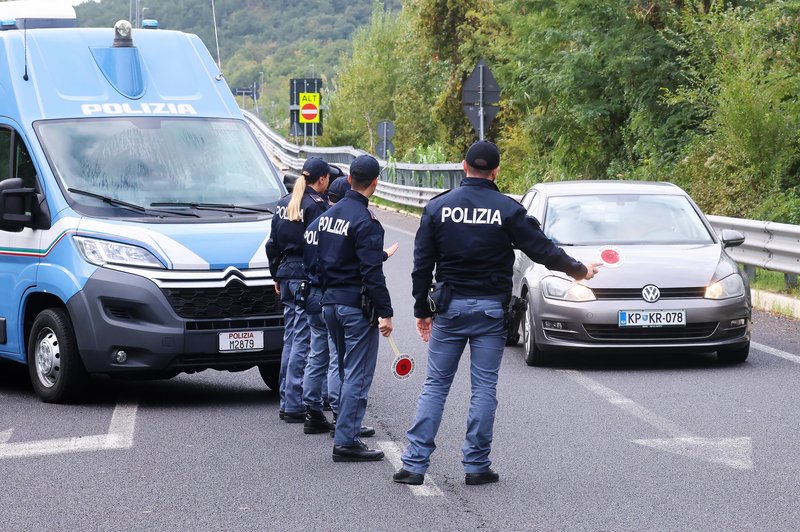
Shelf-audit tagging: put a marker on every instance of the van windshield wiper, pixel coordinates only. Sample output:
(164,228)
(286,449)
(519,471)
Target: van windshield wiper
(121,203)
(209,206)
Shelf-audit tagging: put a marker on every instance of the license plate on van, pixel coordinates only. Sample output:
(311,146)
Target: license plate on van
(231,342)
(652,318)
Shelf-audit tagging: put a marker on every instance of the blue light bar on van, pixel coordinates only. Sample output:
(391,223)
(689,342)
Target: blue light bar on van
(8,24)
(150,24)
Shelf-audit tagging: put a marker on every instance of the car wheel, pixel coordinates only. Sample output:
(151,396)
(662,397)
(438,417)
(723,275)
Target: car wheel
(736,355)
(270,374)
(54,363)
(533,355)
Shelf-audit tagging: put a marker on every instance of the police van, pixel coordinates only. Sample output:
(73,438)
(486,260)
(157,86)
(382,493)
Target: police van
(134,207)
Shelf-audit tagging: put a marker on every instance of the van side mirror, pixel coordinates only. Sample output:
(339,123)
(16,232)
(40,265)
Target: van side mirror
(13,199)
(731,238)
(289,180)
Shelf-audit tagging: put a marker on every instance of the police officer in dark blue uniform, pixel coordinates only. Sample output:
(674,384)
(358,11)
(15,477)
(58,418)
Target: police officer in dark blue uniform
(321,343)
(467,235)
(293,213)
(350,264)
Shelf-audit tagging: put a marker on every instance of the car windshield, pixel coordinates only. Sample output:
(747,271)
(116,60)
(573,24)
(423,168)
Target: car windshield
(624,219)
(147,160)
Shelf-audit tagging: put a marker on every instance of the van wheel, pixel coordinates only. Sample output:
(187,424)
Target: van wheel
(54,364)
(734,356)
(533,355)
(270,374)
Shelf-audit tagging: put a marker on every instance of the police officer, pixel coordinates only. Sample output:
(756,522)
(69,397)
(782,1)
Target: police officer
(285,253)
(467,235)
(350,261)
(321,343)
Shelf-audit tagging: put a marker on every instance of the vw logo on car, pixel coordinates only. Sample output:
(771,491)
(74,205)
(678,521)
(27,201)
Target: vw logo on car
(651,293)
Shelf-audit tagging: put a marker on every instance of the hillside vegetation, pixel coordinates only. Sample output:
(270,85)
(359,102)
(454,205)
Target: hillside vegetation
(281,39)
(700,93)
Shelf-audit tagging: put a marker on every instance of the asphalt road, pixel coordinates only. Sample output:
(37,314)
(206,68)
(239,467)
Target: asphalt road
(626,442)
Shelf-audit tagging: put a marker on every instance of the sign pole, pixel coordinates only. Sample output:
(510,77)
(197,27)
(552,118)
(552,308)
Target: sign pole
(480,100)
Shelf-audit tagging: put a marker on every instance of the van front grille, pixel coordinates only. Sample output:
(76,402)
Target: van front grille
(233,301)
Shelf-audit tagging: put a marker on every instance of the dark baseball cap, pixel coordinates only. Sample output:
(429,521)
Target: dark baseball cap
(365,168)
(483,155)
(338,189)
(314,168)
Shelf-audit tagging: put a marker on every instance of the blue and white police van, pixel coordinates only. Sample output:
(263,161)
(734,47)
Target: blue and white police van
(134,207)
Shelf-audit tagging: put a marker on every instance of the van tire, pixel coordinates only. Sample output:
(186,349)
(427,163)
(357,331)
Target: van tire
(54,363)
(270,374)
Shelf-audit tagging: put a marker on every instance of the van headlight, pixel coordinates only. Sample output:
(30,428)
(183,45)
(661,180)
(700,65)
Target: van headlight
(559,288)
(102,252)
(731,286)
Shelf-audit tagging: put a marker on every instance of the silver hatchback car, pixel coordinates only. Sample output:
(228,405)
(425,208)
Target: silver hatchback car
(666,280)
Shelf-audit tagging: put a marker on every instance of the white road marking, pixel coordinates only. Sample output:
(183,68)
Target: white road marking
(732,452)
(393,451)
(776,352)
(393,228)
(119,436)
(5,435)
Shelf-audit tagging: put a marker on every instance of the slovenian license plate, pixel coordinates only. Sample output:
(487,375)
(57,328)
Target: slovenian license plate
(241,341)
(652,318)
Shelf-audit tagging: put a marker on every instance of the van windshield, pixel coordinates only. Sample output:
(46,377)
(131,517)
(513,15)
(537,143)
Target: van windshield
(147,160)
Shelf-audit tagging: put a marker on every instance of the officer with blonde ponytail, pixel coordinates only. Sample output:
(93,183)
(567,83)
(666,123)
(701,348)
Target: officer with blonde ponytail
(293,214)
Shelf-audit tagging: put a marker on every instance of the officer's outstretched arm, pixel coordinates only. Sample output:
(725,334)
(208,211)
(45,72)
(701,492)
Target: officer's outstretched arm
(527,235)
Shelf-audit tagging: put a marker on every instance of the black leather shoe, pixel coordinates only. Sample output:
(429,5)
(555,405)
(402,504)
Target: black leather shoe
(316,422)
(407,477)
(365,432)
(326,405)
(294,417)
(281,414)
(356,453)
(484,477)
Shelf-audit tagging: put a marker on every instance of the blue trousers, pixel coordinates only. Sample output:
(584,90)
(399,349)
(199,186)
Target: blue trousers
(315,378)
(479,322)
(355,343)
(296,344)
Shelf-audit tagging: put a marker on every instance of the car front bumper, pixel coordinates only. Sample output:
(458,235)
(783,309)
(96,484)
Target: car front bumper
(710,324)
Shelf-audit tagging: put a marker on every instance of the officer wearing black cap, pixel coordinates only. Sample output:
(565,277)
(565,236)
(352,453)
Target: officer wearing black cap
(350,264)
(338,188)
(293,213)
(467,235)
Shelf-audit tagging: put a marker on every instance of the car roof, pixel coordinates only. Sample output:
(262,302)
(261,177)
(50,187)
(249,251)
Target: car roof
(608,186)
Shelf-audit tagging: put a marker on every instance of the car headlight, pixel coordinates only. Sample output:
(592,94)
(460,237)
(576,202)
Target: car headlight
(101,252)
(559,288)
(731,286)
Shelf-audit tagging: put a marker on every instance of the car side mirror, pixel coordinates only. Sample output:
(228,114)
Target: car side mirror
(731,238)
(13,199)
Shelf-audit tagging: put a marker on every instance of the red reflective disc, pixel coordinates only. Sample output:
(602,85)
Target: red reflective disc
(609,256)
(403,367)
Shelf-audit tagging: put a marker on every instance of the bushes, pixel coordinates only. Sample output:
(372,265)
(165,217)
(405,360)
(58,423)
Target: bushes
(704,94)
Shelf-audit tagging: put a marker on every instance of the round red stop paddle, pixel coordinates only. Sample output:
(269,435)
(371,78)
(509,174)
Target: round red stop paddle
(403,365)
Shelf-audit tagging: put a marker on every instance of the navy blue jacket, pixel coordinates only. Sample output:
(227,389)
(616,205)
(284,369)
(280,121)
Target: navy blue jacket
(286,239)
(468,234)
(350,255)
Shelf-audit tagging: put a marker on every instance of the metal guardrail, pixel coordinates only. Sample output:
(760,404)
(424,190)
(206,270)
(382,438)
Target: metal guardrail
(769,245)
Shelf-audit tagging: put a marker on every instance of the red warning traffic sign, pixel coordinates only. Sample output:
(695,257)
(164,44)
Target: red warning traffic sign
(309,107)
(309,113)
